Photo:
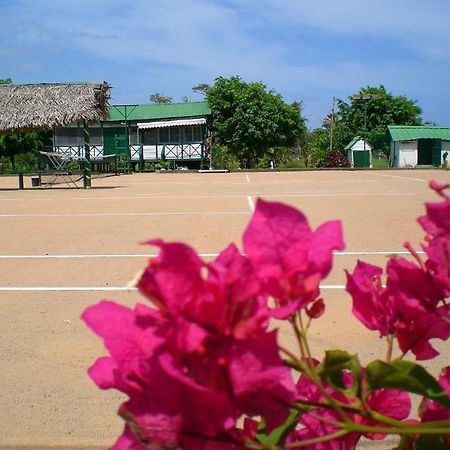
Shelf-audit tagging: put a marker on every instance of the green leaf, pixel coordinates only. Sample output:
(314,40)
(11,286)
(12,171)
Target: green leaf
(406,376)
(427,442)
(278,435)
(333,367)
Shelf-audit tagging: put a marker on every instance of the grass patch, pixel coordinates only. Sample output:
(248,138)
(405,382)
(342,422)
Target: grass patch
(380,163)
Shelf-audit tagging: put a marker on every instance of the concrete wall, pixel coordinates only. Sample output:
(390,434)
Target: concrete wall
(445,148)
(406,154)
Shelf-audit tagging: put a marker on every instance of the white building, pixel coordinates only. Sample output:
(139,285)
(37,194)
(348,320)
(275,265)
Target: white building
(359,153)
(418,146)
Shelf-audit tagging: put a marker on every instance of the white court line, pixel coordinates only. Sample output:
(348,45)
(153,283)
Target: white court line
(342,194)
(87,256)
(100,288)
(381,252)
(254,194)
(247,178)
(251,204)
(200,213)
(396,176)
(202,255)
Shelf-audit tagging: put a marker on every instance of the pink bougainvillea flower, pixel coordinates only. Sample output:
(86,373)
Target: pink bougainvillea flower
(289,257)
(437,224)
(437,220)
(412,305)
(205,345)
(261,383)
(129,344)
(369,305)
(390,403)
(174,278)
(406,308)
(431,411)
(235,305)
(319,422)
(129,441)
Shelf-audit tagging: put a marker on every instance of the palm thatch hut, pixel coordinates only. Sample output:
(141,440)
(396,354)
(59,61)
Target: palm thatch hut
(48,105)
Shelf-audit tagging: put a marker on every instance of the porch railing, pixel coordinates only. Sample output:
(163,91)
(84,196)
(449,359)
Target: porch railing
(182,151)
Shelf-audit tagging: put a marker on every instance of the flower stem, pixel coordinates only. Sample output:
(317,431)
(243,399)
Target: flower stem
(318,440)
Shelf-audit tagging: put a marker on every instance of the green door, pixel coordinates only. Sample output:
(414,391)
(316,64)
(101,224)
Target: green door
(115,141)
(361,159)
(425,152)
(436,152)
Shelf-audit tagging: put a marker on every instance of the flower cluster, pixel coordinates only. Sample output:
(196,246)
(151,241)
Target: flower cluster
(202,368)
(411,306)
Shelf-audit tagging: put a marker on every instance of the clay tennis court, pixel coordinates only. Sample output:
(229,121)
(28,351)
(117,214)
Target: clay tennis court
(64,249)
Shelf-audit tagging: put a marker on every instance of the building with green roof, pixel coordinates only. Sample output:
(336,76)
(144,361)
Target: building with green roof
(359,153)
(412,146)
(176,132)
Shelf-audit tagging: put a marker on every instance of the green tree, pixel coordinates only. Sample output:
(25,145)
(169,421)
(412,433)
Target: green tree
(370,115)
(20,143)
(14,144)
(201,88)
(249,119)
(318,144)
(159,98)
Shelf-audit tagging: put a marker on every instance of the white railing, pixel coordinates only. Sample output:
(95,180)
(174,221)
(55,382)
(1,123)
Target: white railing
(182,151)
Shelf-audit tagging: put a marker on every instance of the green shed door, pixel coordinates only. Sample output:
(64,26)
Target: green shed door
(425,152)
(115,141)
(436,152)
(361,159)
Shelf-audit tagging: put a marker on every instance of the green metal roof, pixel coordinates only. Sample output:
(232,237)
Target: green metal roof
(158,111)
(406,133)
(352,143)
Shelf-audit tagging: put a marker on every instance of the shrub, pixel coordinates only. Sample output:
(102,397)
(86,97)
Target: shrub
(335,158)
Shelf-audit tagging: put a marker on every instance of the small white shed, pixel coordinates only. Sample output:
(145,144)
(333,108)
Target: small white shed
(412,146)
(359,153)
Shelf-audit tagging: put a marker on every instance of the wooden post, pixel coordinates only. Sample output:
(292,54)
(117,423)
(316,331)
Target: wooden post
(87,157)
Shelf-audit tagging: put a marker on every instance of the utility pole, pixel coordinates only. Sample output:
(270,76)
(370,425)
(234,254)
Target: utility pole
(333,108)
(366,98)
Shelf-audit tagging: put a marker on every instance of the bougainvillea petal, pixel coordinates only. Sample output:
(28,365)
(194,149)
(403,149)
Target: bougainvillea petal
(287,254)
(102,372)
(174,278)
(327,238)
(260,381)
(415,336)
(393,404)
(128,441)
(364,287)
(276,239)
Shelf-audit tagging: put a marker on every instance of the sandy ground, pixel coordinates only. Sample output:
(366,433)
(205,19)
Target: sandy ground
(59,247)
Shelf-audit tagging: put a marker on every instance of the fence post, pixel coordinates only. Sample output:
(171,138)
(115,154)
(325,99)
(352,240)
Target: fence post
(87,157)
(141,158)
(20,181)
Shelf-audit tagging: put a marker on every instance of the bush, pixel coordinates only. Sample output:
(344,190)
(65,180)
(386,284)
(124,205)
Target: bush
(25,162)
(335,159)
(294,163)
(222,158)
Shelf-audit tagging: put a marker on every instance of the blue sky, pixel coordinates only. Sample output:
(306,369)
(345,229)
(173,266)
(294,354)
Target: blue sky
(307,50)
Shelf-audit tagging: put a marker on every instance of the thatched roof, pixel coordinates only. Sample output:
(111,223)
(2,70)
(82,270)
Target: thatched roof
(45,105)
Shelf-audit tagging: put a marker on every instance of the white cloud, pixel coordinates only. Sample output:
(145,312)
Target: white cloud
(170,45)
(420,25)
